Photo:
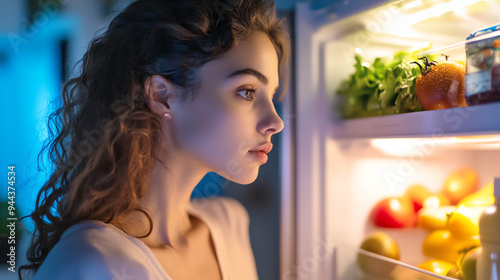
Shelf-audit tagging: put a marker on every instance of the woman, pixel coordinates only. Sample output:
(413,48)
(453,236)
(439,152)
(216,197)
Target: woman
(172,90)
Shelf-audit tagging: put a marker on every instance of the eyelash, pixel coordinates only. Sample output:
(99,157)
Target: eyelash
(252,91)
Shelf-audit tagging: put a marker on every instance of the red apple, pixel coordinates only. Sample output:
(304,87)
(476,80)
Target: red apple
(394,212)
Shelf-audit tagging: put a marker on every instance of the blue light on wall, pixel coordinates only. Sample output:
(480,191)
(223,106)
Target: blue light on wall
(30,78)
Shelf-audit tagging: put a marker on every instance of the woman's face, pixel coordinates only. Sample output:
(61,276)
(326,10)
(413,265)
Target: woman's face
(225,121)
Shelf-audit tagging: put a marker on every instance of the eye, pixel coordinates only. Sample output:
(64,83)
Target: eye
(248,92)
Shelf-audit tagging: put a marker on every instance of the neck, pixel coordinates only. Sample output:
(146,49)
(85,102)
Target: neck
(166,202)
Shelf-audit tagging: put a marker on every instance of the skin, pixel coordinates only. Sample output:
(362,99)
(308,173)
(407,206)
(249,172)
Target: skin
(212,133)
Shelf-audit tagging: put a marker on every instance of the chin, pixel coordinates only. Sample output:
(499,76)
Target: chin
(246,181)
(241,176)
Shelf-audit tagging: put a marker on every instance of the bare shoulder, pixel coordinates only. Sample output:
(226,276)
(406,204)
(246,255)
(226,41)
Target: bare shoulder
(89,253)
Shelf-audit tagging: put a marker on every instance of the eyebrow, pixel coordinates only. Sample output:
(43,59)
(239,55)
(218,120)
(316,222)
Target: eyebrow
(250,71)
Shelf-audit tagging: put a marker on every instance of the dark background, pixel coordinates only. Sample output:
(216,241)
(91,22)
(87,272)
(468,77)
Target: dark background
(40,42)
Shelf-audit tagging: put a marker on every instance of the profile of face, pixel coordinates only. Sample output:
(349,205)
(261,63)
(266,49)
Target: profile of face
(233,112)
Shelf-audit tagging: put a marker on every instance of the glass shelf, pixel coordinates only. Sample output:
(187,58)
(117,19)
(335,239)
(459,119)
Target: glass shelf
(409,242)
(464,121)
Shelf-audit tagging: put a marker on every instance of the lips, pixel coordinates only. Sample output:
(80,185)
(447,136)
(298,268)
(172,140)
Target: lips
(266,148)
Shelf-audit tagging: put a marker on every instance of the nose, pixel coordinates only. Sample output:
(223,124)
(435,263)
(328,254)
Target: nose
(271,122)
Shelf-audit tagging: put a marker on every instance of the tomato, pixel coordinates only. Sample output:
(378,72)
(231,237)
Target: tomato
(382,244)
(394,212)
(417,194)
(464,222)
(441,85)
(483,197)
(461,183)
(437,266)
(442,245)
(434,218)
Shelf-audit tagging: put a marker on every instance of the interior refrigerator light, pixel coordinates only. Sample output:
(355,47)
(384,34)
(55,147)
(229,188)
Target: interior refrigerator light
(400,23)
(394,147)
(412,4)
(405,146)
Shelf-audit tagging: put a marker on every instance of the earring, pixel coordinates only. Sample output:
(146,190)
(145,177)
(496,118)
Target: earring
(167,114)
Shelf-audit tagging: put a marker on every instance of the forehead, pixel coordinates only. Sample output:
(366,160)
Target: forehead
(256,52)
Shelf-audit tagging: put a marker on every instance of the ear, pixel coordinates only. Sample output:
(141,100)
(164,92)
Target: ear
(159,92)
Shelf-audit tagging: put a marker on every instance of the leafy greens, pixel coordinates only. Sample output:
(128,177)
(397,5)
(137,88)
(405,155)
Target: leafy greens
(383,87)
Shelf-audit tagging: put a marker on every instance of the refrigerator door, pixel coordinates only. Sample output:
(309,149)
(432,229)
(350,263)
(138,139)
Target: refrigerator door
(332,157)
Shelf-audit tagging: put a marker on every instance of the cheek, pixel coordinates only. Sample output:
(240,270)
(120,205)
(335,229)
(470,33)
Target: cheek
(217,132)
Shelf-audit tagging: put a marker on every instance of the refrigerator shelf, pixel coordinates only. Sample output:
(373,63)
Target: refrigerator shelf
(401,270)
(409,242)
(473,120)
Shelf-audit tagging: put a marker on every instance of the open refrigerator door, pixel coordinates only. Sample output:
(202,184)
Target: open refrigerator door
(347,162)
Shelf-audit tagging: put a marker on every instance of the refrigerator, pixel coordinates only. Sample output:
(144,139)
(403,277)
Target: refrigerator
(334,169)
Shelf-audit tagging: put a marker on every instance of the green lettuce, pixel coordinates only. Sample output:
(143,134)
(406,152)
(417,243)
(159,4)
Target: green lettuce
(383,87)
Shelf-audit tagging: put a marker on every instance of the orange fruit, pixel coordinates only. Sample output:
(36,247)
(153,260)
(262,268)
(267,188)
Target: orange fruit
(461,183)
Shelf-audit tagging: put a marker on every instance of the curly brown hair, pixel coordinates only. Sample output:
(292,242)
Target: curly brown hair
(103,139)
